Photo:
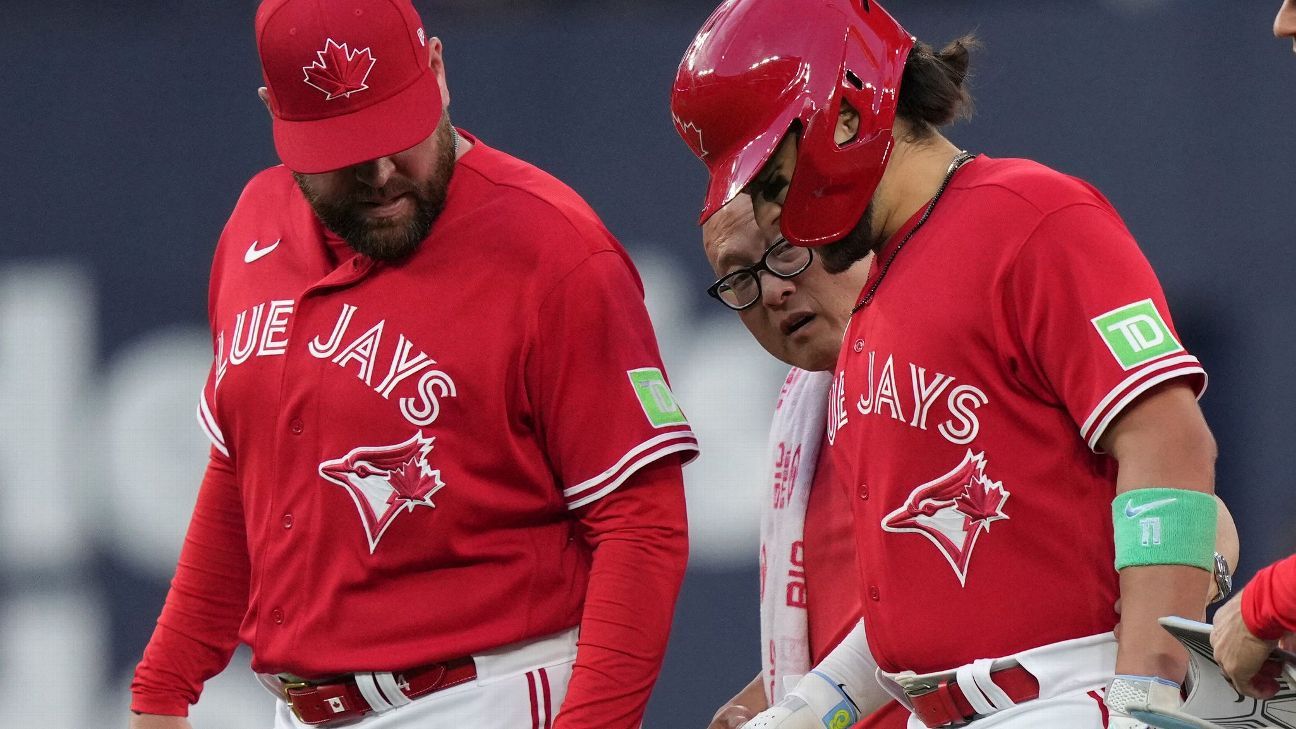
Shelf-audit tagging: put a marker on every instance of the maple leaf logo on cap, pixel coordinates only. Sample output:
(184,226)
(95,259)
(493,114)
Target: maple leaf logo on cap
(692,136)
(339,71)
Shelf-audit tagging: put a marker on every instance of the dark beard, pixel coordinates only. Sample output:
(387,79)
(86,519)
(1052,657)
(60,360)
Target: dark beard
(858,243)
(385,241)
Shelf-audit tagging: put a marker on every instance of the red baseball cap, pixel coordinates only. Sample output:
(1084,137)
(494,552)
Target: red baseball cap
(349,80)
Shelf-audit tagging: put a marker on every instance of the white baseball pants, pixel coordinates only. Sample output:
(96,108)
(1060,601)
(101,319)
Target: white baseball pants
(1073,677)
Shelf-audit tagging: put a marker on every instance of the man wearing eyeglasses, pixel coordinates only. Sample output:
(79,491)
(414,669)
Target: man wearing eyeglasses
(797,311)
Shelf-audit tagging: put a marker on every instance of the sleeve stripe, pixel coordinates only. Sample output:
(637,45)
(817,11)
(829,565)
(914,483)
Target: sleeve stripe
(1117,391)
(649,458)
(1132,393)
(208,423)
(642,454)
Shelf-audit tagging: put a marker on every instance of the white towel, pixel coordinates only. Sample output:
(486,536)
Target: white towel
(795,435)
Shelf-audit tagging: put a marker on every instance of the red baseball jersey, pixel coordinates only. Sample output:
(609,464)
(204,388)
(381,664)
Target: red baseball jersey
(970,396)
(408,437)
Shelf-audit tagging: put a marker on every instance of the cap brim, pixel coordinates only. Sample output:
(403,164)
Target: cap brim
(392,125)
(729,175)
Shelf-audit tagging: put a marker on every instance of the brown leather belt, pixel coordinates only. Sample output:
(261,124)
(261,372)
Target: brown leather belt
(943,704)
(340,699)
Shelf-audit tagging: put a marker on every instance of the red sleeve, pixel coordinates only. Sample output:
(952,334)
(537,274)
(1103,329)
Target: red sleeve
(198,629)
(1269,601)
(1085,323)
(639,535)
(603,405)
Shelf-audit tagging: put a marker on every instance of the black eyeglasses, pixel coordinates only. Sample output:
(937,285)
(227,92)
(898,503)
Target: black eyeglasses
(742,288)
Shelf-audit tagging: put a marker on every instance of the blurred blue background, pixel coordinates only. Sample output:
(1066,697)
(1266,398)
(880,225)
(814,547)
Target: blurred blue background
(129,128)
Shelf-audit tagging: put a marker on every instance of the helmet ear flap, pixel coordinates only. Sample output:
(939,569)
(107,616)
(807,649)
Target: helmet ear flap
(837,181)
(826,197)
(882,63)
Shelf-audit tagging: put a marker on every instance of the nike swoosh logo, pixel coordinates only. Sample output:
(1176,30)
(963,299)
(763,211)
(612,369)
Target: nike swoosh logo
(1132,511)
(254,253)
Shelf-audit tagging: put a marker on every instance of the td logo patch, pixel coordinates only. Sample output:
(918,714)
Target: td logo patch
(655,397)
(1136,334)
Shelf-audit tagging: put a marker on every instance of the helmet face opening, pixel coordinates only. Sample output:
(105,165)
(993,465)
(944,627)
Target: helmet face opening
(759,66)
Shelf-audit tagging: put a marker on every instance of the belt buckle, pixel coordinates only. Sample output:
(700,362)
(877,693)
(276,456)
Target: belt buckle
(915,685)
(288,687)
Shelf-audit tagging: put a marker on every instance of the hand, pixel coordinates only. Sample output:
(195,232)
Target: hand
(742,707)
(792,713)
(731,716)
(1241,655)
(156,721)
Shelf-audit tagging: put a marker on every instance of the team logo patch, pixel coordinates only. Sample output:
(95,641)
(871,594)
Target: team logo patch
(952,511)
(338,70)
(386,481)
(1136,334)
(655,397)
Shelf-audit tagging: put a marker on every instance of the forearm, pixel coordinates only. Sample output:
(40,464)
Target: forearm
(851,666)
(1149,593)
(752,696)
(742,707)
(198,629)
(640,543)
(839,691)
(1161,442)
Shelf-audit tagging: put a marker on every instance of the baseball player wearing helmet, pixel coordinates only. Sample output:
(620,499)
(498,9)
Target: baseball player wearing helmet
(444,452)
(809,592)
(1012,409)
(798,312)
(1264,612)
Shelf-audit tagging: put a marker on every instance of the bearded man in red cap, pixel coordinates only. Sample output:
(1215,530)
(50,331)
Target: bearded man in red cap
(445,481)
(1012,413)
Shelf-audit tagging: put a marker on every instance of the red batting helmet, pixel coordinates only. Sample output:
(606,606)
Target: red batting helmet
(756,67)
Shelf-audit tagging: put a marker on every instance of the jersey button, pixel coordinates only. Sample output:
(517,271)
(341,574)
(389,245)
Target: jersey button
(296,426)
(277,616)
(287,521)
(863,491)
(874,594)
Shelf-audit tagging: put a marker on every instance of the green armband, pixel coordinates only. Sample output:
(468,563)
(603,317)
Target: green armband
(1164,526)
